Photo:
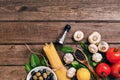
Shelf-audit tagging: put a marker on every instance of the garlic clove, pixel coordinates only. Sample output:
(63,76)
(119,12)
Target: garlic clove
(97,57)
(78,35)
(94,38)
(103,46)
(93,48)
(68,58)
(71,72)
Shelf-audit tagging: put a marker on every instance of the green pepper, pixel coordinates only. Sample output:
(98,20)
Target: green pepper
(28,67)
(77,65)
(34,60)
(66,49)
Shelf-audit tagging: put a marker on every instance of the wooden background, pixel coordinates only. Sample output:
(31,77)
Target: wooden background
(38,21)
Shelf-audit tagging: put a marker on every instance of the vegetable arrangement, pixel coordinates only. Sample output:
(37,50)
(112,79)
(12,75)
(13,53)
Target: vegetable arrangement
(93,61)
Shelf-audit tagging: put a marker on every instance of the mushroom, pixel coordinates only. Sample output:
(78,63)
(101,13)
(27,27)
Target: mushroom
(71,72)
(68,58)
(103,46)
(93,48)
(78,35)
(94,38)
(97,57)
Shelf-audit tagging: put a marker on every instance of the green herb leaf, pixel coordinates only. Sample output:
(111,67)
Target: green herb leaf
(43,62)
(34,60)
(66,49)
(28,67)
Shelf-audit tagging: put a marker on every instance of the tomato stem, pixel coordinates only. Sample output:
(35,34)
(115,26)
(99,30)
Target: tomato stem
(119,71)
(103,75)
(116,49)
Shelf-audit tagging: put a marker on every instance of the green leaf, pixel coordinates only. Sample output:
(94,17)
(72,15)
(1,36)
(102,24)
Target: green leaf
(34,60)
(66,49)
(43,61)
(28,67)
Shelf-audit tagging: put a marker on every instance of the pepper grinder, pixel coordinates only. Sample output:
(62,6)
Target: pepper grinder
(62,38)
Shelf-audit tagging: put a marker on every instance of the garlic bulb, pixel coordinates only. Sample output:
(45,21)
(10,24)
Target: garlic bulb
(71,72)
(93,48)
(78,35)
(97,57)
(68,58)
(103,46)
(94,38)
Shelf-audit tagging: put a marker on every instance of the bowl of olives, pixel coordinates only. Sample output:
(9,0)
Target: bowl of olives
(41,73)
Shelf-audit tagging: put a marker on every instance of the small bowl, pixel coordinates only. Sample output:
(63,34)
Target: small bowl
(41,68)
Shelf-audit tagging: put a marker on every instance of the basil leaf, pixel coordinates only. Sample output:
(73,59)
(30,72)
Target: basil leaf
(28,67)
(34,60)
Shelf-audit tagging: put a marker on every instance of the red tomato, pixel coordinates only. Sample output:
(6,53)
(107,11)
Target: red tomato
(103,70)
(115,70)
(113,55)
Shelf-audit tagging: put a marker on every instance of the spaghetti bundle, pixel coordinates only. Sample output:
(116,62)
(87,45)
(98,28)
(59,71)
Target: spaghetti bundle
(55,61)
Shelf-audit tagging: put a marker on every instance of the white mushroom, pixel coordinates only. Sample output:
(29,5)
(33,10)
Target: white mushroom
(71,72)
(97,57)
(93,48)
(94,38)
(103,46)
(78,35)
(68,58)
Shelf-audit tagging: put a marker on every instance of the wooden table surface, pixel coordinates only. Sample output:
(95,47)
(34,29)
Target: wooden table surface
(38,21)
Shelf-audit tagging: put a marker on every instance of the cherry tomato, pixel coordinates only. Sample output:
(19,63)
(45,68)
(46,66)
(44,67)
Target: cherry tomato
(113,55)
(115,70)
(103,70)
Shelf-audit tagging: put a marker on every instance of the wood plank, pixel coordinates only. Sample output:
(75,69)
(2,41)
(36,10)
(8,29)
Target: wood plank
(60,1)
(41,32)
(12,72)
(19,54)
(62,10)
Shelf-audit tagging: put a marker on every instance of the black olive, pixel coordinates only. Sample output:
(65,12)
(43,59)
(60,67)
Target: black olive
(31,78)
(52,78)
(44,70)
(51,75)
(33,73)
(48,78)
(40,71)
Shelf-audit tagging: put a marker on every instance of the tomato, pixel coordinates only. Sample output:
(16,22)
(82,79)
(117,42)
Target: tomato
(115,70)
(103,70)
(113,55)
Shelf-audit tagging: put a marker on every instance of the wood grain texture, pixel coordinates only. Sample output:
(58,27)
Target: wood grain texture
(59,10)
(12,72)
(19,54)
(41,32)
(39,21)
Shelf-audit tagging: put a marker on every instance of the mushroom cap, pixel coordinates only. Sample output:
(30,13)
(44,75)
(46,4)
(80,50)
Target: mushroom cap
(94,38)
(103,46)
(78,35)
(93,48)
